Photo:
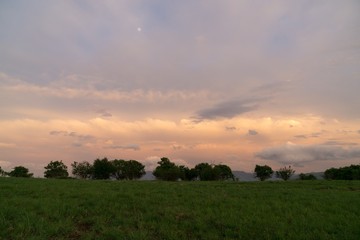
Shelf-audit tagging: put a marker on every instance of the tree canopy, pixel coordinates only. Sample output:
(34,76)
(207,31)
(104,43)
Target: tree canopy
(83,170)
(187,174)
(20,171)
(56,169)
(285,173)
(128,170)
(263,172)
(167,170)
(103,169)
(207,172)
(344,173)
(308,176)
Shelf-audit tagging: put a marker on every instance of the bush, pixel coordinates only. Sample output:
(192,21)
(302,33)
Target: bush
(307,176)
(285,173)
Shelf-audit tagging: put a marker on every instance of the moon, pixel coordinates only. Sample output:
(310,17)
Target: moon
(139,29)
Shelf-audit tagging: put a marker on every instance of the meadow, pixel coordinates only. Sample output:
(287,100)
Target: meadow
(86,209)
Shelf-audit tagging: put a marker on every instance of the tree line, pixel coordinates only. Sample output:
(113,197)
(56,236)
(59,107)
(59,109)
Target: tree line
(168,171)
(351,172)
(129,170)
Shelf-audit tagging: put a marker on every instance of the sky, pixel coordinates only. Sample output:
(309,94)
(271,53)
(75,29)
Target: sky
(225,82)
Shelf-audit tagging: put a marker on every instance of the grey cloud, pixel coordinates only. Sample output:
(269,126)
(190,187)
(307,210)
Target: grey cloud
(57,133)
(230,128)
(229,109)
(77,145)
(252,132)
(80,137)
(72,134)
(339,143)
(301,136)
(290,153)
(134,147)
(311,135)
(104,113)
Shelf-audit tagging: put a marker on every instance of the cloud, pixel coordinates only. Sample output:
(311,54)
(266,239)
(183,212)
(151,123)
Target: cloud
(177,147)
(151,162)
(80,137)
(340,143)
(291,153)
(229,109)
(5,163)
(81,89)
(252,132)
(77,145)
(104,113)
(228,128)
(57,133)
(134,147)
(301,136)
(311,135)
(7,145)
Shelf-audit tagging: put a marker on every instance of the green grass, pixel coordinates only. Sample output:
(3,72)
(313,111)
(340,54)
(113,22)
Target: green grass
(75,209)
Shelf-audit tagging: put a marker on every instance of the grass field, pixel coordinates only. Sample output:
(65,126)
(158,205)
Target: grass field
(75,209)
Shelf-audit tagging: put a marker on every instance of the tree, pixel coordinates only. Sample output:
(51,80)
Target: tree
(223,172)
(207,172)
(129,170)
(344,173)
(103,169)
(187,174)
(263,172)
(2,172)
(56,169)
(307,176)
(167,170)
(20,171)
(82,170)
(119,166)
(134,170)
(285,173)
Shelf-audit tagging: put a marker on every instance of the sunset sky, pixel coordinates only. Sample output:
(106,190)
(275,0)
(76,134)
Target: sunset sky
(233,82)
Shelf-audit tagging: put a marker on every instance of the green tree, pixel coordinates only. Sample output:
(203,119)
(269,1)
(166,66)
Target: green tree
(285,173)
(56,169)
(103,169)
(344,173)
(20,171)
(2,172)
(82,170)
(187,174)
(307,176)
(167,170)
(263,172)
(223,172)
(205,172)
(134,170)
(119,166)
(129,170)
